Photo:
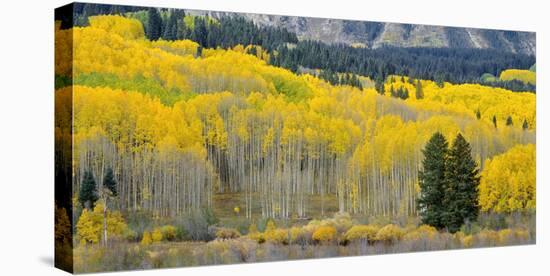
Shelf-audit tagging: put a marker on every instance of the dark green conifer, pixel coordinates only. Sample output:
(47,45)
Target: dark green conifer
(431,181)
(461,186)
(88,191)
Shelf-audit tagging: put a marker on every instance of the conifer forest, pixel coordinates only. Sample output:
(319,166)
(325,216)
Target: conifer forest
(200,138)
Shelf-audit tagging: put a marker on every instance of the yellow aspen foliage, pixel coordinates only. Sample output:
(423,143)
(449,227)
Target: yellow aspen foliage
(512,236)
(156,235)
(116,225)
(90,224)
(277,236)
(179,47)
(274,234)
(127,28)
(324,234)
(525,76)
(390,233)
(89,227)
(146,240)
(468,241)
(505,236)
(270,226)
(362,232)
(63,51)
(299,235)
(423,232)
(119,125)
(281,134)
(111,46)
(467,99)
(253,234)
(508,181)
(487,237)
(169,232)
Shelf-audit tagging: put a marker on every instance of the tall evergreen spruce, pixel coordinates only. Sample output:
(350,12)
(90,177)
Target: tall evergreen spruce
(461,186)
(154,24)
(392,91)
(88,191)
(171,27)
(379,86)
(200,31)
(431,180)
(109,181)
(509,121)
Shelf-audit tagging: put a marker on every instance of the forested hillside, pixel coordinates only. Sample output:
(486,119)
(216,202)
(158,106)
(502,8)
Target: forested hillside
(455,63)
(258,128)
(367,34)
(196,129)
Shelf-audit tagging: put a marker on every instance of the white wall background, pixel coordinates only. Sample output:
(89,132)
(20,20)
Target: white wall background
(26,135)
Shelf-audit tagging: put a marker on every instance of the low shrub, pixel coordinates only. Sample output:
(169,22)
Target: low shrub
(130,235)
(195,226)
(470,228)
(156,235)
(361,232)
(513,236)
(390,233)
(257,237)
(146,240)
(487,238)
(169,232)
(324,234)
(270,226)
(279,236)
(341,222)
(423,232)
(227,251)
(468,241)
(312,226)
(522,235)
(227,234)
(254,235)
(300,235)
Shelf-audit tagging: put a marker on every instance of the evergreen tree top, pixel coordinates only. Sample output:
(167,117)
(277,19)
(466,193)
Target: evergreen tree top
(109,181)
(88,190)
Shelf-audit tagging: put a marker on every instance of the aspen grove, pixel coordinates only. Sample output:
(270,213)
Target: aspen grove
(196,139)
(192,124)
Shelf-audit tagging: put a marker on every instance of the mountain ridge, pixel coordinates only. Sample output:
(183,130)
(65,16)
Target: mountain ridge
(372,34)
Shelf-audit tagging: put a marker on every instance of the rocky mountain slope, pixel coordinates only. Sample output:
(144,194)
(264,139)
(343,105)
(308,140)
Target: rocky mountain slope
(376,34)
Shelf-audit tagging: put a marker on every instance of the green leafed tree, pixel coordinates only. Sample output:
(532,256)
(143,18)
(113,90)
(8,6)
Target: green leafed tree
(431,180)
(88,191)
(461,186)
